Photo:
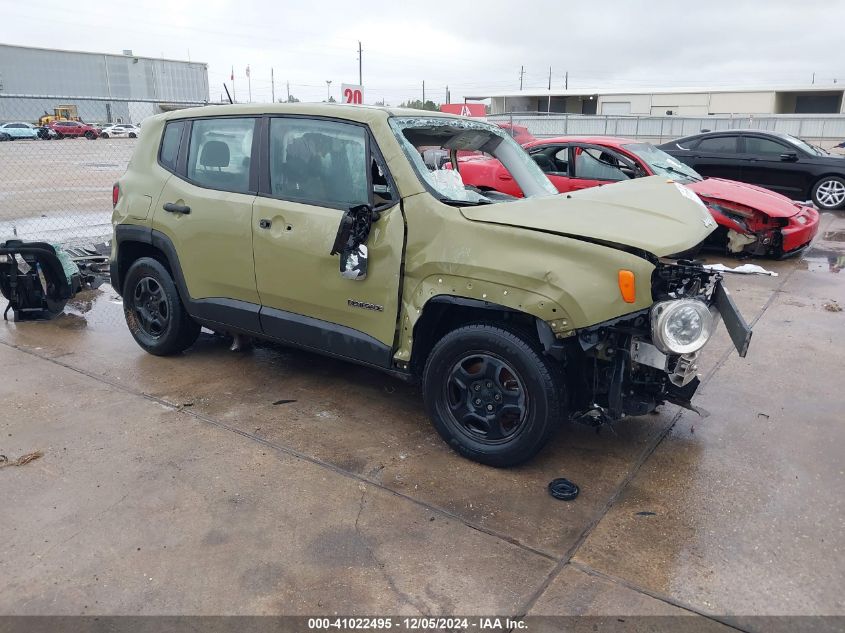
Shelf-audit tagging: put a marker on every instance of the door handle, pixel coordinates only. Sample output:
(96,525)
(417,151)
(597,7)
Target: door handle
(265,224)
(172,207)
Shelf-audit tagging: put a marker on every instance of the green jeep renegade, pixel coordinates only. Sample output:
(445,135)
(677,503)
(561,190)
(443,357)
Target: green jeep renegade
(329,228)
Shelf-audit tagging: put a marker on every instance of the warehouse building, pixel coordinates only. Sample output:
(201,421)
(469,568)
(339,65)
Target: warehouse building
(812,99)
(104,87)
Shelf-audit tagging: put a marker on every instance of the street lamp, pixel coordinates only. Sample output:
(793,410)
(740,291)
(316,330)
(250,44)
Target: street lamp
(328,89)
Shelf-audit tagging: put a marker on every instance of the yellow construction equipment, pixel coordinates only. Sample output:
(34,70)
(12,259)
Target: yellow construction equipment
(60,113)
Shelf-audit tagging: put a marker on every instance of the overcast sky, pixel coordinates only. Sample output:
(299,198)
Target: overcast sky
(474,47)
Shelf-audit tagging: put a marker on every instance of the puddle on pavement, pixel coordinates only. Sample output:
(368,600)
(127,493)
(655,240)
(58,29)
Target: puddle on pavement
(823,260)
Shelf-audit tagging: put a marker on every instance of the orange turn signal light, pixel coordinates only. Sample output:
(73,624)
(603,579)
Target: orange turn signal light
(627,286)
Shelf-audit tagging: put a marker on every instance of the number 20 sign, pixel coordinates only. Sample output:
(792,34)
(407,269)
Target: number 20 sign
(352,93)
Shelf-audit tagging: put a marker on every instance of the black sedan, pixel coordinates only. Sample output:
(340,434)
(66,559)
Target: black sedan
(772,160)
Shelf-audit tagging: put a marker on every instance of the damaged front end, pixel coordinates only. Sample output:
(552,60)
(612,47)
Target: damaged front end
(749,231)
(630,365)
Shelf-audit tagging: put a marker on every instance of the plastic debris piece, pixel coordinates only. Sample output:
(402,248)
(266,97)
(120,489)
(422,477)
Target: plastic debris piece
(563,489)
(745,269)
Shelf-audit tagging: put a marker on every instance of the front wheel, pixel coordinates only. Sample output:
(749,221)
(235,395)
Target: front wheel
(829,193)
(133,135)
(154,312)
(104,135)
(492,395)
(90,136)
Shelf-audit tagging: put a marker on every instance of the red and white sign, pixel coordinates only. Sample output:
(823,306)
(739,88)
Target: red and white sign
(351,93)
(465,109)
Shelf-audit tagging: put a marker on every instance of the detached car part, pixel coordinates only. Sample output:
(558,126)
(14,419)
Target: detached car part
(38,278)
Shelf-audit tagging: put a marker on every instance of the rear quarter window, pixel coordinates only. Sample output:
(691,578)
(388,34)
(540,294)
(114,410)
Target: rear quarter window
(170,144)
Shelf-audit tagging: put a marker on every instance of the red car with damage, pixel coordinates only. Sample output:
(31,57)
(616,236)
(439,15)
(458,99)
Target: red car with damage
(74,129)
(751,219)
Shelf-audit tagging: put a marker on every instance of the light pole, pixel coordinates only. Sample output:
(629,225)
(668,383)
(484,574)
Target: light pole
(328,89)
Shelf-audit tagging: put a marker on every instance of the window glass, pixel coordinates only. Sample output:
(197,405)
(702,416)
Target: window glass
(718,145)
(219,153)
(596,164)
(758,145)
(323,162)
(170,144)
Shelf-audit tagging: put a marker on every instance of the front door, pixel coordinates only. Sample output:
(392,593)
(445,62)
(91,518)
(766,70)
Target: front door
(205,209)
(316,170)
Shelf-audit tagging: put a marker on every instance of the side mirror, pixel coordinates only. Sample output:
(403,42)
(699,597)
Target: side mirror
(350,241)
(789,157)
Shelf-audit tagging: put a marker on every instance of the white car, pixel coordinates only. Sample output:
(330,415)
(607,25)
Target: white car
(18,130)
(120,130)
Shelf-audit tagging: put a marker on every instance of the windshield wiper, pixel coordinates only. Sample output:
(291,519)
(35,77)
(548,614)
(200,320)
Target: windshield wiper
(677,171)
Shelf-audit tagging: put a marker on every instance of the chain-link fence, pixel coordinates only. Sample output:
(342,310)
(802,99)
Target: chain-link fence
(59,158)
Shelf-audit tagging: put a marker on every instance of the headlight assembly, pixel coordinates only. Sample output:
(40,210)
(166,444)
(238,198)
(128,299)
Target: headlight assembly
(681,326)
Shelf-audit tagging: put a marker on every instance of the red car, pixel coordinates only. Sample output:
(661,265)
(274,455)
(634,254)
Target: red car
(74,129)
(751,219)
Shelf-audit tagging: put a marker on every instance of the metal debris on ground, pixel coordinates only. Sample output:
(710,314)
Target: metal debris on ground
(20,461)
(832,306)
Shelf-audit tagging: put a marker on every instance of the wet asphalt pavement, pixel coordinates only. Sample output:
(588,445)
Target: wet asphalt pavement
(180,486)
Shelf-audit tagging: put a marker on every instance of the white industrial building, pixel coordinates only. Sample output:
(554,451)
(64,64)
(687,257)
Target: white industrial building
(811,99)
(104,87)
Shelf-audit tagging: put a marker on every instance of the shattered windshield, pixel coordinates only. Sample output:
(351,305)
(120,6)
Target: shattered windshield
(431,142)
(662,163)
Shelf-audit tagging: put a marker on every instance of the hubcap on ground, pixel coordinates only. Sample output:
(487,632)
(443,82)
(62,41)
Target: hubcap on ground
(486,398)
(831,193)
(150,307)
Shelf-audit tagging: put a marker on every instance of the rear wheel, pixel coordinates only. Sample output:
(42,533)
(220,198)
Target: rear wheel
(90,135)
(154,312)
(104,135)
(829,193)
(492,395)
(132,135)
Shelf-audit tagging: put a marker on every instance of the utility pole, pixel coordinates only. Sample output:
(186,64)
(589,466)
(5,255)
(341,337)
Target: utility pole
(287,84)
(249,83)
(360,74)
(272,85)
(814,79)
(550,77)
(448,96)
(328,89)
(566,81)
(521,73)
(423,101)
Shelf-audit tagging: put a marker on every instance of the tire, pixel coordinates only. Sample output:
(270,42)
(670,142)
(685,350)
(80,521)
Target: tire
(829,193)
(90,136)
(104,135)
(59,136)
(153,310)
(512,400)
(133,135)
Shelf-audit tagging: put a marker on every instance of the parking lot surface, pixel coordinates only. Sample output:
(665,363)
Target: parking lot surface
(274,481)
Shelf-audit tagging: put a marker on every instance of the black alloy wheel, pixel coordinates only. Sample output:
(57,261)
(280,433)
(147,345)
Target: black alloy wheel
(487,398)
(150,307)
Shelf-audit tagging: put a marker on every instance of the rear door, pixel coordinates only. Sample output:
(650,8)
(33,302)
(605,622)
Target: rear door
(774,165)
(717,157)
(314,169)
(592,165)
(205,209)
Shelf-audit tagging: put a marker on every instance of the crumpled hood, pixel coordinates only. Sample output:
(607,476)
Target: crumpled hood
(652,214)
(768,202)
